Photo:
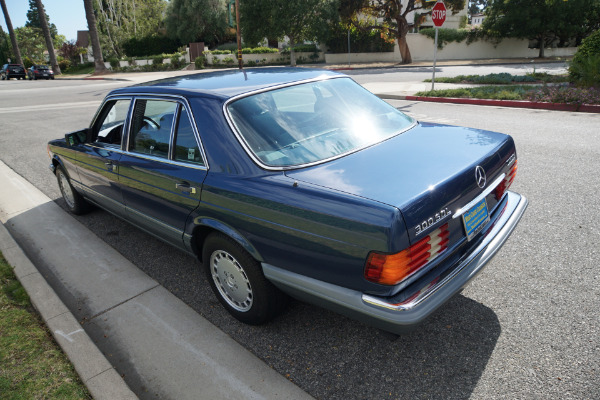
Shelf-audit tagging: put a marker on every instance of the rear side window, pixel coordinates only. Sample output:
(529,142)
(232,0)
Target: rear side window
(186,145)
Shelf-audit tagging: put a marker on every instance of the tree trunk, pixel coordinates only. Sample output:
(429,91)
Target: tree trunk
(100,68)
(542,45)
(11,33)
(404,50)
(401,38)
(46,31)
(292,53)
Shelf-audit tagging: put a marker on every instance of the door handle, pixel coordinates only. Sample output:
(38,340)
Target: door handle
(185,187)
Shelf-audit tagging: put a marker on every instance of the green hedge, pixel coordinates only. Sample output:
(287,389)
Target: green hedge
(150,45)
(361,41)
(585,67)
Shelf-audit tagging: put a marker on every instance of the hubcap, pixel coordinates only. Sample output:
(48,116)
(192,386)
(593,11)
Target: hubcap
(65,189)
(231,280)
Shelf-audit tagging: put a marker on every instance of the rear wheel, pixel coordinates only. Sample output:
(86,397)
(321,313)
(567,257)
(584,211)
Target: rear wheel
(237,280)
(75,202)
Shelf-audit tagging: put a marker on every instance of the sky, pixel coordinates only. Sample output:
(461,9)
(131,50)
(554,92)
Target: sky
(67,15)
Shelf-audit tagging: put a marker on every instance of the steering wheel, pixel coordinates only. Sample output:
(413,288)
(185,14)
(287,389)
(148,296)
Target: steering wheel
(151,122)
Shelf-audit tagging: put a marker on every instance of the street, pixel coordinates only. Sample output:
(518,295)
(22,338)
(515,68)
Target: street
(527,327)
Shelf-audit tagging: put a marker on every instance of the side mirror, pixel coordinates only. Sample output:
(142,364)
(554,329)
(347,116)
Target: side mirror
(77,137)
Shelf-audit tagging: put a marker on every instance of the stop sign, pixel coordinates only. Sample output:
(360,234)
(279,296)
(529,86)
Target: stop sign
(438,14)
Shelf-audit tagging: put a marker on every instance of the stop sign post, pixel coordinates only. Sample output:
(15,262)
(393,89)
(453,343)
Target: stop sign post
(438,17)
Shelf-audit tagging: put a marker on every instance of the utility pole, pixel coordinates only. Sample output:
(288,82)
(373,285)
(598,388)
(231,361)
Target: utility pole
(239,37)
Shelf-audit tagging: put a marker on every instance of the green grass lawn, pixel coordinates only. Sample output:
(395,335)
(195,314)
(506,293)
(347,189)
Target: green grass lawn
(79,70)
(32,365)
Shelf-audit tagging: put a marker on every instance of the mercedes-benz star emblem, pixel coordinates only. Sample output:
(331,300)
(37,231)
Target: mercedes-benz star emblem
(480,177)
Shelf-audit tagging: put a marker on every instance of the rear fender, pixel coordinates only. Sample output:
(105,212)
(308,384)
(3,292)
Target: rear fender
(203,226)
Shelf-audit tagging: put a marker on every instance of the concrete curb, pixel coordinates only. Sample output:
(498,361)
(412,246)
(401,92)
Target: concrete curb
(101,379)
(588,108)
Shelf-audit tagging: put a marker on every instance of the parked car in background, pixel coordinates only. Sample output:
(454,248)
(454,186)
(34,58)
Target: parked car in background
(12,71)
(291,181)
(40,72)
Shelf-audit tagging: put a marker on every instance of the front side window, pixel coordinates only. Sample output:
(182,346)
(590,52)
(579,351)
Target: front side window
(313,122)
(110,126)
(151,127)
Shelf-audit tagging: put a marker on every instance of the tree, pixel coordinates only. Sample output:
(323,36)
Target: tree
(393,14)
(5,49)
(298,20)
(120,20)
(99,67)
(33,19)
(546,21)
(197,20)
(47,37)
(11,33)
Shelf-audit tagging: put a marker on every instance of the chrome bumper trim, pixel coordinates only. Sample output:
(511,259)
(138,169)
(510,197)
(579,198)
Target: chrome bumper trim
(494,240)
(402,317)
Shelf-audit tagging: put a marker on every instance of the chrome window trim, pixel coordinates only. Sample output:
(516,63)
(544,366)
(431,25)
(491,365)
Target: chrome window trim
(167,97)
(477,199)
(248,150)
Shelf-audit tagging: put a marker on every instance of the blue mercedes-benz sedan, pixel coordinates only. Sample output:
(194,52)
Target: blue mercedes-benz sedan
(291,181)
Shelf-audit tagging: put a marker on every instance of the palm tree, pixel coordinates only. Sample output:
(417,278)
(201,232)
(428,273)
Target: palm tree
(11,33)
(46,31)
(100,68)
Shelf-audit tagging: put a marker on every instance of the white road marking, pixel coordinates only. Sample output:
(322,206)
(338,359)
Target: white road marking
(48,107)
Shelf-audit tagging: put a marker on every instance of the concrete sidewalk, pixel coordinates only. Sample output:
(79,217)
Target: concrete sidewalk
(164,348)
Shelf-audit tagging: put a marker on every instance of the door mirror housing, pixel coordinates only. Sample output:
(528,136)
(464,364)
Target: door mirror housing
(78,137)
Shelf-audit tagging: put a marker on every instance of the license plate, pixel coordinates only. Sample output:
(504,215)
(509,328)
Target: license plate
(475,219)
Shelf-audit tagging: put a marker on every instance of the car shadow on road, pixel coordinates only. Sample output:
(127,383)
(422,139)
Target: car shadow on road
(326,354)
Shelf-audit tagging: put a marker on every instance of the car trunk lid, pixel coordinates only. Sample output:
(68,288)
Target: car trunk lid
(428,172)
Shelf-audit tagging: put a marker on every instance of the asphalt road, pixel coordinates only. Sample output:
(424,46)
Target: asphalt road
(528,327)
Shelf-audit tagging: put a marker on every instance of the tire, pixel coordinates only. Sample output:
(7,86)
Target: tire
(237,280)
(76,204)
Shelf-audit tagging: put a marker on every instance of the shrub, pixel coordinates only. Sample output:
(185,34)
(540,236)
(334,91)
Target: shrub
(27,62)
(566,94)
(231,47)
(114,62)
(64,65)
(251,63)
(199,62)
(259,50)
(585,67)
(176,62)
(156,60)
(446,36)
(228,60)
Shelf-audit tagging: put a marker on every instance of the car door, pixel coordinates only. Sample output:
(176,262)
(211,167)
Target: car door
(163,168)
(98,161)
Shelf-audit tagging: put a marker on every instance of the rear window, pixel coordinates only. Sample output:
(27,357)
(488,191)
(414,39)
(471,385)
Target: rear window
(313,122)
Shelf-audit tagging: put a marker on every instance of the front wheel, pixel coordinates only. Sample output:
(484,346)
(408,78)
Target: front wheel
(75,202)
(237,280)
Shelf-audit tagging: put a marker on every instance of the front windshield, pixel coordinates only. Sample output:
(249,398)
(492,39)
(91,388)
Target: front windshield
(312,122)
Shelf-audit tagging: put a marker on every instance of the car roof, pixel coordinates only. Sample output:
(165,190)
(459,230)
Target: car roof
(229,83)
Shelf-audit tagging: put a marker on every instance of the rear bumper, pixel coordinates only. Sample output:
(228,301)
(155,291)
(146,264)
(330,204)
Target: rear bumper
(401,317)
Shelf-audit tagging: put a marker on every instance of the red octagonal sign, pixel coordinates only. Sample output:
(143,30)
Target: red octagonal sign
(438,14)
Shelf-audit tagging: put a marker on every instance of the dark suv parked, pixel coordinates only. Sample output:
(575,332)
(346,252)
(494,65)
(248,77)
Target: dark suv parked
(12,71)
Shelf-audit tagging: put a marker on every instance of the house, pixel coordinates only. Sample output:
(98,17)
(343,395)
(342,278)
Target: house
(477,19)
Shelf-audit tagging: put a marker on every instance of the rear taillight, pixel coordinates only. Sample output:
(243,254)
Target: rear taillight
(391,269)
(508,180)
